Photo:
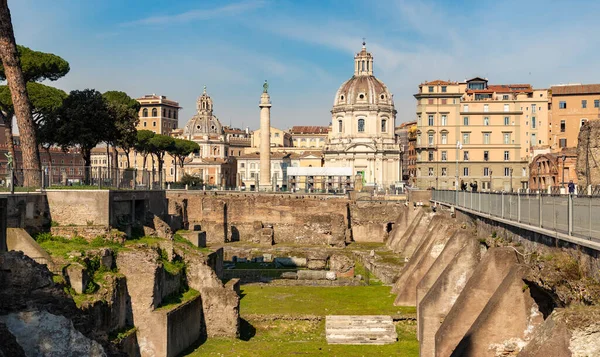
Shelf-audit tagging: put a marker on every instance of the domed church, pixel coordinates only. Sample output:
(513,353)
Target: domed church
(362,127)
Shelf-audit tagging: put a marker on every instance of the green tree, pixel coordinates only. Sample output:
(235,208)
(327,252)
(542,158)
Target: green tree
(124,112)
(84,121)
(36,66)
(142,144)
(180,150)
(159,146)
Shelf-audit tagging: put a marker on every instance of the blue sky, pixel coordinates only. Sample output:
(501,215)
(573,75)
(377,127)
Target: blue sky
(305,48)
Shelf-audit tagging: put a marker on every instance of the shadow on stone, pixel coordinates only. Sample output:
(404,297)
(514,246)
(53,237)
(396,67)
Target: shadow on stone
(247,331)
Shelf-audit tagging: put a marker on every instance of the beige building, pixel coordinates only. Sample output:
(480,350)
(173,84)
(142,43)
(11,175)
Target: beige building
(309,137)
(362,134)
(570,107)
(158,113)
(248,168)
(491,130)
(279,138)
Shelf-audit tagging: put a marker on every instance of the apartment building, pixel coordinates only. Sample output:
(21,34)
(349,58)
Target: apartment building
(309,137)
(476,132)
(158,114)
(570,107)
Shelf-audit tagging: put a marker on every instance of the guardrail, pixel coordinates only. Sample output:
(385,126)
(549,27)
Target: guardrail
(571,215)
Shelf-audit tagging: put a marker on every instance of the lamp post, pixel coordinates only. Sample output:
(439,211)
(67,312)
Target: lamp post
(564,157)
(511,182)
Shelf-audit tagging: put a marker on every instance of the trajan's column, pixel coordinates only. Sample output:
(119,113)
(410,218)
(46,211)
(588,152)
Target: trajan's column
(265,140)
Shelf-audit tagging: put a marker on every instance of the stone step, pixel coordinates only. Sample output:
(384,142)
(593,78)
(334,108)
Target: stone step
(358,330)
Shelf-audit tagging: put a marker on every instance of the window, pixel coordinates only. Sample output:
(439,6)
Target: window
(444,120)
(506,155)
(361,125)
(466,108)
(507,171)
(486,138)
(465,155)
(486,156)
(506,138)
(506,121)
(505,97)
(276,135)
(145,124)
(430,171)
(533,123)
(418,119)
(506,107)
(145,112)
(153,123)
(444,138)
(154,112)
(486,121)
(383,125)
(466,121)
(563,126)
(596,103)
(444,89)
(486,108)
(340,126)
(533,140)
(533,107)
(465,138)
(430,89)
(562,143)
(584,103)
(486,171)
(476,85)
(444,155)
(418,139)
(465,171)
(562,104)
(444,101)
(430,156)
(429,101)
(430,139)
(430,120)
(444,171)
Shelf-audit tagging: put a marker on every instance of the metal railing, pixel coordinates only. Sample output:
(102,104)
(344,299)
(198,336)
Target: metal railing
(568,214)
(79,177)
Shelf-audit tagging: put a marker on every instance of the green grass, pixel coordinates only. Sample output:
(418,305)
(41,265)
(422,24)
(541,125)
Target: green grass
(62,247)
(171,301)
(320,301)
(304,338)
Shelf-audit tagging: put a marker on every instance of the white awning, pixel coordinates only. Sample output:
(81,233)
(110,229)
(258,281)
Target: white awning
(319,171)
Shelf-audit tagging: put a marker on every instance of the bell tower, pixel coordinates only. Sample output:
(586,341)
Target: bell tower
(363,62)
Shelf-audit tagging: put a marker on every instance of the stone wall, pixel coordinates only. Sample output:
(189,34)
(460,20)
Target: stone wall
(79,207)
(588,154)
(27,210)
(372,221)
(184,326)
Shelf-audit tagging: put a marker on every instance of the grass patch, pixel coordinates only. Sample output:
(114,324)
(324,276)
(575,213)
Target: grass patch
(62,247)
(368,277)
(306,338)
(118,335)
(177,299)
(304,300)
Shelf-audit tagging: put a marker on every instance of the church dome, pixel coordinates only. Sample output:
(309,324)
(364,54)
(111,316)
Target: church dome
(363,88)
(204,122)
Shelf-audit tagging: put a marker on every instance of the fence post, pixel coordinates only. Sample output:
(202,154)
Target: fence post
(570,214)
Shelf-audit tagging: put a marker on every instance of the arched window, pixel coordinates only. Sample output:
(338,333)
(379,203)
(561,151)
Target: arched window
(145,112)
(361,125)
(340,126)
(363,66)
(154,112)
(383,125)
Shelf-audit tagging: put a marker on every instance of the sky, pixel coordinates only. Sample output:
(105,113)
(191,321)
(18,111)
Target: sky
(305,49)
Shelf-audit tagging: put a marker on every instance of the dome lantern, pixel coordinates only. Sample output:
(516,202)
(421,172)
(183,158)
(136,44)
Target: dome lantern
(363,62)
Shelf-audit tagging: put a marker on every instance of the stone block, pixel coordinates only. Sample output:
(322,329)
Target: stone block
(289,275)
(341,263)
(234,284)
(312,274)
(317,264)
(317,254)
(266,236)
(78,277)
(197,238)
(292,262)
(257,225)
(107,258)
(330,275)
(268,258)
(360,330)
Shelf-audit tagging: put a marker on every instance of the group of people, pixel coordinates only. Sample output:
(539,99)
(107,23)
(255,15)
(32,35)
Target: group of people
(473,185)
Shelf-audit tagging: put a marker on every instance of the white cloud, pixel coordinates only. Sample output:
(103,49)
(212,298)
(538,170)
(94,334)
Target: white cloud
(200,14)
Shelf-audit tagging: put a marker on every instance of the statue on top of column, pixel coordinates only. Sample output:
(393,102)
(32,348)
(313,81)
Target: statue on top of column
(265,87)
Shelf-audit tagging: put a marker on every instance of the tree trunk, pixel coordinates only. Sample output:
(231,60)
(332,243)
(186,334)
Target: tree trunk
(127,152)
(18,92)
(10,141)
(116,159)
(145,156)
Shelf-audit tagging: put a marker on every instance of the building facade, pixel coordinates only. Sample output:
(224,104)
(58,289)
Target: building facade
(248,168)
(570,107)
(158,114)
(403,131)
(362,134)
(309,137)
(474,132)
(553,170)
(279,138)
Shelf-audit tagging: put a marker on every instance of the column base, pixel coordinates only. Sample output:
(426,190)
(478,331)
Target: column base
(268,187)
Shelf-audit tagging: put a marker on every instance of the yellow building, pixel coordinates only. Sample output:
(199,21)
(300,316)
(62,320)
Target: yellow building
(490,130)
(158,113)
(309,137)
(570,107)
(279,138)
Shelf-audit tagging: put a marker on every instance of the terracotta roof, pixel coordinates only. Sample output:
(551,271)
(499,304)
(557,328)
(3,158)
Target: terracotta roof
(309,130)
(576,89)
(438,82)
